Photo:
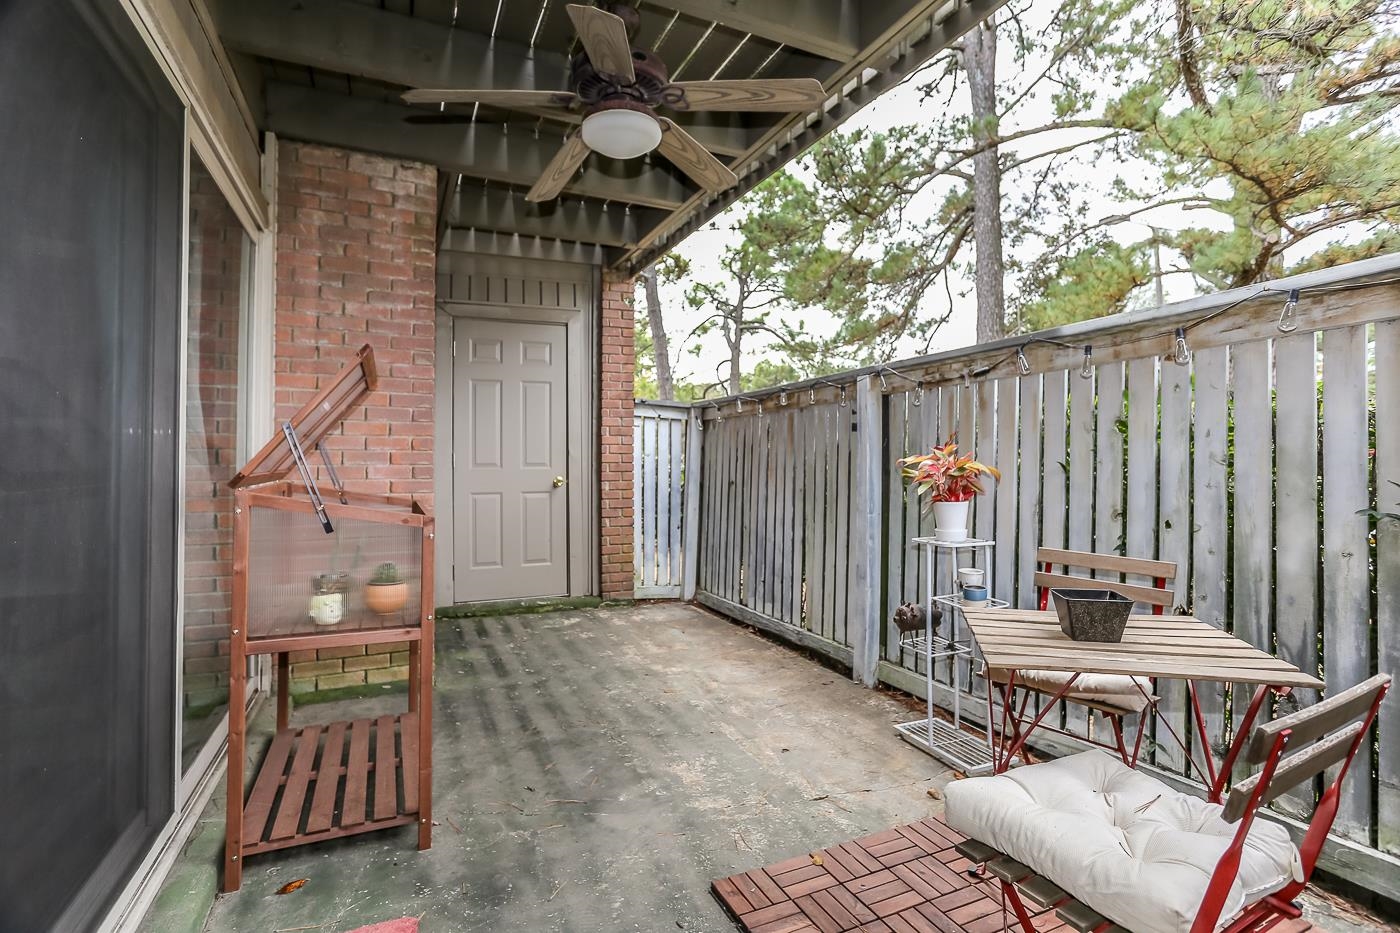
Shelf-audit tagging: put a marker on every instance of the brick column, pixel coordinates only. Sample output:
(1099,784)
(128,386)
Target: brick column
(356,260)
(615,435)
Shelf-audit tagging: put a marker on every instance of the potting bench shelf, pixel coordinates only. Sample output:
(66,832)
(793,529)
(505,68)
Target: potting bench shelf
(308,574)
(326,781)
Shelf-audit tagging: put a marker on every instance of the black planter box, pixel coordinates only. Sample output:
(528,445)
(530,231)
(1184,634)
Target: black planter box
(1092,615)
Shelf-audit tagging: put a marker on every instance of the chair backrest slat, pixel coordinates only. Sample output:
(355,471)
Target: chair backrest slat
(1089,560)
(1159,571)
(1307,724)
(1292,770)
(1137,593)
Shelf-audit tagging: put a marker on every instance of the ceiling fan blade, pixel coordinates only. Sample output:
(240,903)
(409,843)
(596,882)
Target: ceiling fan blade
(694,159)
(560,169)
(604,38)
(786,95)
(490,97)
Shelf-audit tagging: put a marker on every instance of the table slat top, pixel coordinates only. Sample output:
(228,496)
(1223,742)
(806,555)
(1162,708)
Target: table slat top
(1174,647)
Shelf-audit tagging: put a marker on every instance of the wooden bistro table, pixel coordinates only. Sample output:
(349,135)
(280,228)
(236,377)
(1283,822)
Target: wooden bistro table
(1153,646)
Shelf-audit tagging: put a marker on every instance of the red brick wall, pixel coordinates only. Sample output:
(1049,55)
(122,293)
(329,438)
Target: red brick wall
(615,440)
(356,257)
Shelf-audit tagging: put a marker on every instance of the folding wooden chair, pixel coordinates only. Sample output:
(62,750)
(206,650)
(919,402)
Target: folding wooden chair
(1114,849)
(1114,696)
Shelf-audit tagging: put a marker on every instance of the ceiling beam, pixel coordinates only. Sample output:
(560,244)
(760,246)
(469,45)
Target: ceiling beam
(367,42)
(477,207)
(829,28)
(477,150)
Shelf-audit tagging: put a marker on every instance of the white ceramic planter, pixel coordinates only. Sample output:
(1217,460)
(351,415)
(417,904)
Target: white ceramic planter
(950,520)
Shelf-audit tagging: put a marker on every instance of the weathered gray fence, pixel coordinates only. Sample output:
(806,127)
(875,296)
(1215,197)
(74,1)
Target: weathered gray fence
(1258,467)
(658,481)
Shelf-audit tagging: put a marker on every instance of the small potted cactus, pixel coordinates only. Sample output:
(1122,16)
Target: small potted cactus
(386,592)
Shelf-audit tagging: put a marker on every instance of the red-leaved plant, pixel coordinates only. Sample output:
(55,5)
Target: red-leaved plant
(943,476)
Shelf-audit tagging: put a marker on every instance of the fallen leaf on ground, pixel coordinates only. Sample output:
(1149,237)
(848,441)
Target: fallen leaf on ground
(816,859)
(935,793)
(291,886)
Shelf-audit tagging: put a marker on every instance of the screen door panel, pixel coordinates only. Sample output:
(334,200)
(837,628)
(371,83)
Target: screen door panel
(90,182)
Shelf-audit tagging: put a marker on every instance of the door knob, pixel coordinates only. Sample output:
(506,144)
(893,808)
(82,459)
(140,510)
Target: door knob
(559,481)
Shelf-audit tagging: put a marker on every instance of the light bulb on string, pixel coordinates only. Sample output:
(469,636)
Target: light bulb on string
(1288,318)
(918,395)
(783,397)
(739,407)
(843,396)
(1087,370)
(1181,356)
(1023,365)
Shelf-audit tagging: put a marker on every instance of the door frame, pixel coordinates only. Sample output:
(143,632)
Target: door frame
(496,288)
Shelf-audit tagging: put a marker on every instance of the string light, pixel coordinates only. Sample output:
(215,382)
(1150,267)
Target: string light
(1181,353)
(1023,365)
(1181,356)
(1288,319)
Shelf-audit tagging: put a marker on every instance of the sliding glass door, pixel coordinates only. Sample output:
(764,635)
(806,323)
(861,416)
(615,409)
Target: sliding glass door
(90,193)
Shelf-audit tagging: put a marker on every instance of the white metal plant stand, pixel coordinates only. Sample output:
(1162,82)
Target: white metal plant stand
(947,741)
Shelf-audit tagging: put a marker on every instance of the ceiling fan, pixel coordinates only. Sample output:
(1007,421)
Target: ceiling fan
(618,89)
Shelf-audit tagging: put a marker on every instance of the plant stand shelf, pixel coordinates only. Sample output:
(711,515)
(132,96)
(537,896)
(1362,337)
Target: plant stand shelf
(326,781)
(948,742)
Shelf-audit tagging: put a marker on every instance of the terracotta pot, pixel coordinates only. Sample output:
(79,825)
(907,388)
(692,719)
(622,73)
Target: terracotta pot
(386,598)
(950,520)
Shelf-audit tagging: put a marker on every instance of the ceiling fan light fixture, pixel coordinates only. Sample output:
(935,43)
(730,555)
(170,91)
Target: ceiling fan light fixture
(620,133)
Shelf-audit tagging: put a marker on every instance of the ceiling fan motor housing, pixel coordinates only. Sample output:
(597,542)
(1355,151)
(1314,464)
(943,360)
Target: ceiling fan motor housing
(651,87)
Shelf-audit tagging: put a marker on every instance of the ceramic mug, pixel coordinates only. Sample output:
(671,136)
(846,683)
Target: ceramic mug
(971,576)
(974,597)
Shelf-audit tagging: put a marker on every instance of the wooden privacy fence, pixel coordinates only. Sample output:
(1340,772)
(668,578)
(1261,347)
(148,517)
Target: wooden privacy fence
(1265,467)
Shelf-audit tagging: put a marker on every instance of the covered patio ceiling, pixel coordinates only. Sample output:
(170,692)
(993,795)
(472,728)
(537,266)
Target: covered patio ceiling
(331,72)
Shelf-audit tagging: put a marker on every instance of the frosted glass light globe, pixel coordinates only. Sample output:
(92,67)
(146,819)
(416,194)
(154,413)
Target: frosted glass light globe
(621,134)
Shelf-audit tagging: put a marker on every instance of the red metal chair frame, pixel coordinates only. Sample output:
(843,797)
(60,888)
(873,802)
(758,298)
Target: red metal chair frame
(1272,908)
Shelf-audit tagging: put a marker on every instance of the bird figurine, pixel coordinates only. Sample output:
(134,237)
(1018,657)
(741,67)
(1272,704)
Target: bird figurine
(909,618)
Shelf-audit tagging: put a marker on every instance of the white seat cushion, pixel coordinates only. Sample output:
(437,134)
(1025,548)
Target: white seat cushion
(1121,842)
(1114,689)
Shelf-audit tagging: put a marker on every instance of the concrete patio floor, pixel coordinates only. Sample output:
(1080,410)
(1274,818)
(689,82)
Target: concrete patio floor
(594,771)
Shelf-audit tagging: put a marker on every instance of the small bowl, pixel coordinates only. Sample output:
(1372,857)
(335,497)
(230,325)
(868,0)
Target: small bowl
(1092,615)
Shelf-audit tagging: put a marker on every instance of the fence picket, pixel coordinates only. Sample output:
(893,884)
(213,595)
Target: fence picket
(1208,531)
(1387,343)
(1252,575)
(1174,538)
(1346,597)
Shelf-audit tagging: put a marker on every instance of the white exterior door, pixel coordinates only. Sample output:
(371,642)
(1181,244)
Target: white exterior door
(510,436)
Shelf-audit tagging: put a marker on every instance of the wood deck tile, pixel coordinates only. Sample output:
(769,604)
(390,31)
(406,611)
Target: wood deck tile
(907,879)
